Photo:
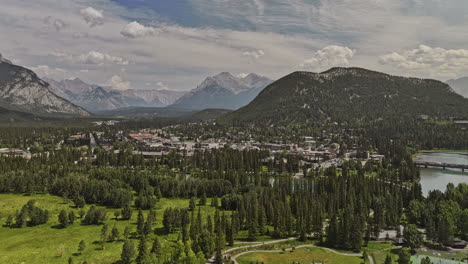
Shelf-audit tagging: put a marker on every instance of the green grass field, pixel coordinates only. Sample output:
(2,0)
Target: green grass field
(46,244)
(301,255)
(379,251)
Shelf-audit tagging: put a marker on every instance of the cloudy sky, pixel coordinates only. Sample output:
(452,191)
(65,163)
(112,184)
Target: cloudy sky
(175,44)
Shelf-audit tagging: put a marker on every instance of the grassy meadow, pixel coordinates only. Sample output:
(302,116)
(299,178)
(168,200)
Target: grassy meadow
(301,255)
(50,244)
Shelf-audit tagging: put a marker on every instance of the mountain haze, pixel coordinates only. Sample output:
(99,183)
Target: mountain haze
(97,98)
(460,86)
(223,91)
(348,94)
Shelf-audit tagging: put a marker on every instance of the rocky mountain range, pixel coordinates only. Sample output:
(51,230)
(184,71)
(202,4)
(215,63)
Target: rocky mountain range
(460,86)
(348,95)
(97,98)
(223,91)
(22,90)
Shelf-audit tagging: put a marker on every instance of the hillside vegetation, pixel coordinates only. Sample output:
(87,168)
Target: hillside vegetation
(347,95)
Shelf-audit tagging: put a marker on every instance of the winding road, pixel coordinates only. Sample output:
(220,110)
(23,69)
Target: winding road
(233,258)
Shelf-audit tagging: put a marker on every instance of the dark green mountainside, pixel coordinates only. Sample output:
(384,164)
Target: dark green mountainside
(348,95)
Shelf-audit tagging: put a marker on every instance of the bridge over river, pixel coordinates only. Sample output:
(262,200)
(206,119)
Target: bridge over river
(427,164)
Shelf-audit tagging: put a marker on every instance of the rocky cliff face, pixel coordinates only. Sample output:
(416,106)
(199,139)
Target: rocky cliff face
(97,98)
(22,90)
(223,91)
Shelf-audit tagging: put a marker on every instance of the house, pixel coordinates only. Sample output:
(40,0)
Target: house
(460,244)
(78,140)
(378,158)
(13,152)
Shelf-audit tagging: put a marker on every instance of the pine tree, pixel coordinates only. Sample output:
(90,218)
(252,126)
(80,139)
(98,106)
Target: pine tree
(192,204)
(117,215)
(149,223)
(9,221)
(332,232)
(63,218)
(81,246)
(404,256)
(156,248)
(426,260)
(140,223)
(115,234)
(22,218)
(71,217)
(214,202)
(220,243)
(126,213)
(413,238)
(104,235)
(142,250)
(128,252)
(127,232)
(203,199)
(388,260)
(356,235)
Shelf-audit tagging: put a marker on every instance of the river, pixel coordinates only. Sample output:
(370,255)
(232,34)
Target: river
(437,178)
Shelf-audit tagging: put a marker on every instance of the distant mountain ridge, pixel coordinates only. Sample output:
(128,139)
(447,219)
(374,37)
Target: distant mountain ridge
(22,90)
(97,98)
(347,95)
(223,91)
(460,86)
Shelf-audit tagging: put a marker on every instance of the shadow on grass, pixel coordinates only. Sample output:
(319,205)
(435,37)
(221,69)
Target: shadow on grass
(58,226)
(160,231)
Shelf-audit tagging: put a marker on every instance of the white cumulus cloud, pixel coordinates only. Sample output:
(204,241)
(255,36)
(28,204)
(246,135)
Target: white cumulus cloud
(118,82)
(255,54)
(92,57)
(328,57)
(137,30)
(95,57)
(45,70)
(437,62)
(92,16)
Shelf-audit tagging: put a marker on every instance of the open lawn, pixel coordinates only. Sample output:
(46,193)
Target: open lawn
(379,251)
(302,255)
(49,244)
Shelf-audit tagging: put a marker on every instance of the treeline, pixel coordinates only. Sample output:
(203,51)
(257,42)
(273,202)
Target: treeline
(444,215)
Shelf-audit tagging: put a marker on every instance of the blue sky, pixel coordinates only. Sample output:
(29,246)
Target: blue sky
(175,44)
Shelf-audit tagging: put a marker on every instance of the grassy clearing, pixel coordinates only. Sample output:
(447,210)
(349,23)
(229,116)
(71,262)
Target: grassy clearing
(379,251)
(302,255)
(46,244)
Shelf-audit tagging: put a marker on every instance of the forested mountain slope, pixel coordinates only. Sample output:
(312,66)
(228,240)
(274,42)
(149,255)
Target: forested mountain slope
(348,95)
(460,86)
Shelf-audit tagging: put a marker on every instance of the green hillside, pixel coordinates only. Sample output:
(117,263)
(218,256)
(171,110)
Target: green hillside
(347,95)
